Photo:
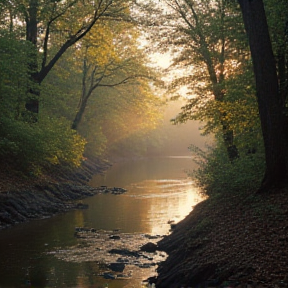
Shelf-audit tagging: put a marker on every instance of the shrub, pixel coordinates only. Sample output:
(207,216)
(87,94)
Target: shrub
(32,146)
(218,175)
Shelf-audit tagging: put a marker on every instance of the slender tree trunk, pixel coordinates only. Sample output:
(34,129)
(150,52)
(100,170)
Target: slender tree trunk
(267,90)
(228,134)
(79,114)
(32,104)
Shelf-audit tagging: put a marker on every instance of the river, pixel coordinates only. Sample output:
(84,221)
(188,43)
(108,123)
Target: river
(158,191)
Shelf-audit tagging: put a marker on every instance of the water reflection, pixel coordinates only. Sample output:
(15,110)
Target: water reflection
(158,191)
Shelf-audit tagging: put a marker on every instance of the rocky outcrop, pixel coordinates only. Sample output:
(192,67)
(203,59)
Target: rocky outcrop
(57,194)
(40,202)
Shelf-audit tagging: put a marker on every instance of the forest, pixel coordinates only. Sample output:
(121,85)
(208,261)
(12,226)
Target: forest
(81,81)
(76,81)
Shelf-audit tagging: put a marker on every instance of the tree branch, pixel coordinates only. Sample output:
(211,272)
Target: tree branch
(40,76)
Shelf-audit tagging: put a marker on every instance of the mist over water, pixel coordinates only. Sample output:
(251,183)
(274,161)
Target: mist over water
(179,137)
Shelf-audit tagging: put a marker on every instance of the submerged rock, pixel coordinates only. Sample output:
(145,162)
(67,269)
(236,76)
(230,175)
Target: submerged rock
(109,276)
(117,267)
(114,237)
(125,252)
(82,206)
(149,247)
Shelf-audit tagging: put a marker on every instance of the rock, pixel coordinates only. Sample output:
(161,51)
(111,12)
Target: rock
(109,276)
(42,199)
(149,247)
(173,226)
(117,190)
(117,267)
(152,236)
(144,265)
(124,252)
(81,206)
(123,260)
(114,237)
(82,229)
(123,276)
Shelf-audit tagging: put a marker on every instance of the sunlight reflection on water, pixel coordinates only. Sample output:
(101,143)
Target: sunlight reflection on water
(159,190)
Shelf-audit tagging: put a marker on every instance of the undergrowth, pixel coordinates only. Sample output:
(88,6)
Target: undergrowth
(218,175)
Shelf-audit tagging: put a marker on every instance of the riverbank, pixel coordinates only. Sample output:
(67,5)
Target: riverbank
(25,198)
(233,240)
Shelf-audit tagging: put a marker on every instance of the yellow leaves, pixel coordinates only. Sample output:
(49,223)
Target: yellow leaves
(239,115)
(107,43)
(100,37)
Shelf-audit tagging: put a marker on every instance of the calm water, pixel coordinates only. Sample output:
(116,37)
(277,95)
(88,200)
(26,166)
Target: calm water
(158,191)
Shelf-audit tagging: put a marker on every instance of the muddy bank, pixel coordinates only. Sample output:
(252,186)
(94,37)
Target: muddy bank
(57,192)
(232,240)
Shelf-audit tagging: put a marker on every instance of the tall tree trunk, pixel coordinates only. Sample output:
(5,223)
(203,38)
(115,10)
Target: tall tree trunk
(267,90)
(32,104)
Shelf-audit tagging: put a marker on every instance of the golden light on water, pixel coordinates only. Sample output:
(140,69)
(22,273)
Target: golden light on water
(165,200)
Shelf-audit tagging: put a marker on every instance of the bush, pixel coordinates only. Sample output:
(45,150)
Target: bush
(218,175)
(32,146)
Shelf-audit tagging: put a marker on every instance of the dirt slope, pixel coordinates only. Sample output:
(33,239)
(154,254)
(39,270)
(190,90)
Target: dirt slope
(230,241)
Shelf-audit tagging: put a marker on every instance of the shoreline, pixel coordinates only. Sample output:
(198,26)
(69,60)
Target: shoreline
(22,200)
(235,240)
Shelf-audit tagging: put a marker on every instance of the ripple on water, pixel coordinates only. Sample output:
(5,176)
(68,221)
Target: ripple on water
(160,188)
(123,250)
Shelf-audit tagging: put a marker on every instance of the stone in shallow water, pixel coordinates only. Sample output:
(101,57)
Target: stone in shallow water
(117,267)
(109,276)
(114,237)
(149,247)
(123,260)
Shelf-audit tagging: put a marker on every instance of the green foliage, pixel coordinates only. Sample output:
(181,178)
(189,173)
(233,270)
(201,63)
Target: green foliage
(217,175)
(203,226)
(123,116)
(29,146)
(14,75)
(96,140)
(32,146)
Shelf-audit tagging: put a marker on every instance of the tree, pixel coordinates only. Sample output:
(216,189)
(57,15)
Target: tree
(206,48)
(114,90)
(278,27)
(270,104)
(70,21)
(14,75)
(109,63)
